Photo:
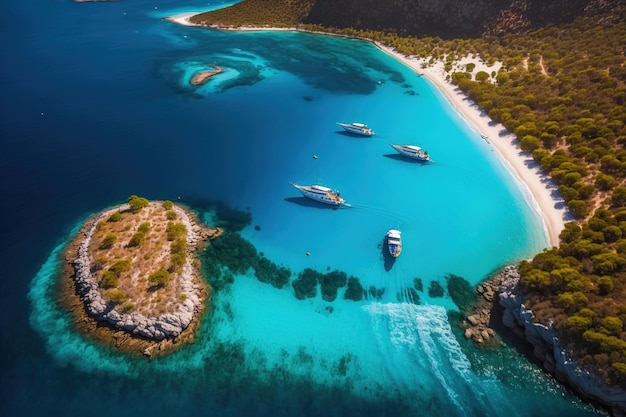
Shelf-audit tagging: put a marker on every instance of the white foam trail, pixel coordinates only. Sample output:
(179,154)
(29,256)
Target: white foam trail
(423,336)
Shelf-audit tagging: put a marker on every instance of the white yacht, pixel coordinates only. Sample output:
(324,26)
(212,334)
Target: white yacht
(321,194)
(412,151)
(357,128)
(394,242)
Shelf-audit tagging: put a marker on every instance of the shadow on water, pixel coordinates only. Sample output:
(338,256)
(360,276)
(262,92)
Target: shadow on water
(351,135)
(307,202)
(389,260)
(399,157)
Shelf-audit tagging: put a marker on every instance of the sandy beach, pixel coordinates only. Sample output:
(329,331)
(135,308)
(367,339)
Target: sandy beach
(540,188)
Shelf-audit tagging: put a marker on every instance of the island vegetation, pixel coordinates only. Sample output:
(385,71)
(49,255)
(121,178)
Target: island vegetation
(562,91)
(134,269)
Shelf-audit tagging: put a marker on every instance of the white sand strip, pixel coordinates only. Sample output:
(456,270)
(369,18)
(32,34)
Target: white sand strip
(541,187)
(183,18)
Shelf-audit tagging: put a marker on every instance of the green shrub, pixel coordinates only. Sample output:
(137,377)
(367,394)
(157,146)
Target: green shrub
(182,298)
(167,205)
(159,278)
(109,279)
(175,230)
(171,215)
(108,241)
(116,296)
(179,247)
(136,239)
(127,307)
(177,261)
(115,217)
(120,266)
(144,227)
(137,203)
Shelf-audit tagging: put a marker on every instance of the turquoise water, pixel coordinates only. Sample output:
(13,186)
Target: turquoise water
(116,116)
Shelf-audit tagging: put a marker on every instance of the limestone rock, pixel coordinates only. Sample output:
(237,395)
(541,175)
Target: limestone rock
(546,347)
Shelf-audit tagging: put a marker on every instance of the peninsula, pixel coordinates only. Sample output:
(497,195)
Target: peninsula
(135,280)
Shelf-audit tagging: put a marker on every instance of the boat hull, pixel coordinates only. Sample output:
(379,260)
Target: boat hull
(321,194)
(394,243)
(360,129)
(412,153)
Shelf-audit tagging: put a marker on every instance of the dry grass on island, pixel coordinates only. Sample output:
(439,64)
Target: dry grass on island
(134,268)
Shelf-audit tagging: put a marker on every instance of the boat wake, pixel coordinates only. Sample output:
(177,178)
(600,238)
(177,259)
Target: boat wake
(422,353)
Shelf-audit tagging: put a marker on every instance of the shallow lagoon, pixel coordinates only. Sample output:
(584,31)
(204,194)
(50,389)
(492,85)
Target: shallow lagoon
(115,116)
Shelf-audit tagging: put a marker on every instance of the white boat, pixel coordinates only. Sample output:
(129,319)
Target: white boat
(357,128)
(394,242)
(321,194)
(412,151)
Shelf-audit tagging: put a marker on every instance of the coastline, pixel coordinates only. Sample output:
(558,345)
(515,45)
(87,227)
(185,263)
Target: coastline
(539,187)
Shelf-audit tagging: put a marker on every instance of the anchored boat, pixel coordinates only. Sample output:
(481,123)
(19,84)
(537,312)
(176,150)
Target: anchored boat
(321,194)
(412,151)
(357,128)
(394,242)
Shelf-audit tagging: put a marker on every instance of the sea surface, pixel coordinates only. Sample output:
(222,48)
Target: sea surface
(97,106)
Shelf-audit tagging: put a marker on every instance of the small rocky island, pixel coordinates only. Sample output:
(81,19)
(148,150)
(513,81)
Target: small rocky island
(202,77)
(135,276)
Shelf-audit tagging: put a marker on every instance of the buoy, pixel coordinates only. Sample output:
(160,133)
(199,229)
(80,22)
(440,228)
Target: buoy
(179,197)
(314,156)
(308,253)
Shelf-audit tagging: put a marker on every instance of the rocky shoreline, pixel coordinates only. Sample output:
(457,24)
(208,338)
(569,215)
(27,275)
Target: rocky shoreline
(147,332)
(545,341)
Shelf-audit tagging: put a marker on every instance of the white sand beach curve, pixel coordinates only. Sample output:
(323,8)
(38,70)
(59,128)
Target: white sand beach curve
(542,190)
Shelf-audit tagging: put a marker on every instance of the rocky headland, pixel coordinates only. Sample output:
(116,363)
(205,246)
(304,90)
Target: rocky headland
(135,273)
(547,349)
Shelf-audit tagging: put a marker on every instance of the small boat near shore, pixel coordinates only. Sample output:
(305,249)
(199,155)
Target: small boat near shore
(357,128)
(322,194)
(394,242)
(412,151)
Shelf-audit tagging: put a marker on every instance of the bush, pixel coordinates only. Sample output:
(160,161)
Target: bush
(159,278)
(116,296)
(109,279)
(171,215)
(179,247)
(136,239)
(177,261)
(127,307)
(120,266)
(175,230)
(144,227)
(108,241)
(137,203)
(167,205)
(115,217)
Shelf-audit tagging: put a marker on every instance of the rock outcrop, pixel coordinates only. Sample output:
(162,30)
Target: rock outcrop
(547,349)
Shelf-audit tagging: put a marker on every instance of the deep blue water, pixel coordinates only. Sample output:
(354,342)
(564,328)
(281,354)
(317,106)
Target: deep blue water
(97,106)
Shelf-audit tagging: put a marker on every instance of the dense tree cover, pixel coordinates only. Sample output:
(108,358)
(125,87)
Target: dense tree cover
(259,13)
(562,91)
